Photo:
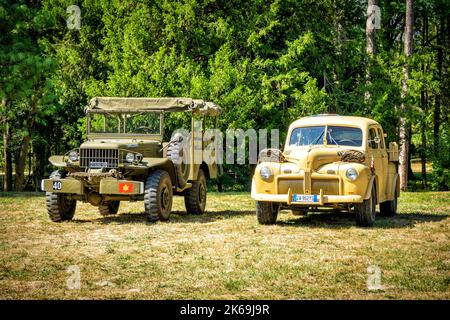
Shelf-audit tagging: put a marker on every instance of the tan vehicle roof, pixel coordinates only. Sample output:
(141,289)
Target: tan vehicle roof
(165,104)
(334,120)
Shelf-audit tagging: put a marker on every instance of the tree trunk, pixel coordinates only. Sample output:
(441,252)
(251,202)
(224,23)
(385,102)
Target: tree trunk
(40,160)
(424,106)
(7,182)
(424,158)
(437,103)
(404,137)
(411,150)
(21,163)
(23,153)
(423,147)
(371,48)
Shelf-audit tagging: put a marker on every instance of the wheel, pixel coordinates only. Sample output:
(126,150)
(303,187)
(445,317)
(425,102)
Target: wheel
(158,196)
(389,208)
(175,153)
(266,212)
(108,208)
(195,197)
(59,206)
(366,211)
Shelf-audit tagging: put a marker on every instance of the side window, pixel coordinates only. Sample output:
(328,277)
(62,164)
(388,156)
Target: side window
(372,135)
(380,134)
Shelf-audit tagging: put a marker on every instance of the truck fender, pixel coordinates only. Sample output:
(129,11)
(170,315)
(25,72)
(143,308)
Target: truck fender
(369,188)
(57,161)
(161,163)
(396,184)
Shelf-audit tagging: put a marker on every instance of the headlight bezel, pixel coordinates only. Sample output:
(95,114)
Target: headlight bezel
(130,157)
(266,173)
(351,174)
(73,155)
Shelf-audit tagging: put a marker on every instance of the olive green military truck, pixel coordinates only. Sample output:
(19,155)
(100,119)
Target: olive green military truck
(125,159)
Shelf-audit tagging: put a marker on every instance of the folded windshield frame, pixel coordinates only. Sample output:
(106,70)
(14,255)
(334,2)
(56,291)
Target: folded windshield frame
(122,124)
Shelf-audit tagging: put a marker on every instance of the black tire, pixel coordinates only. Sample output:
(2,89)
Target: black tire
(59,207)
(158,196)
(365,212)
(175,153)
(108,208)
(389,208)
(266,212)
(195,197)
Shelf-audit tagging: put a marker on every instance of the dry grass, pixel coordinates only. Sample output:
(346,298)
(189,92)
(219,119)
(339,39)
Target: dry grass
(416,166)
(224,254)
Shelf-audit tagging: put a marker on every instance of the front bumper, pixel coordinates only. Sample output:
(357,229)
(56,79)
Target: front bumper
(108,186)
(321,199)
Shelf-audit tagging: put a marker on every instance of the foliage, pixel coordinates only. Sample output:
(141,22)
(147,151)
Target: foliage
(441,164)
(264,62)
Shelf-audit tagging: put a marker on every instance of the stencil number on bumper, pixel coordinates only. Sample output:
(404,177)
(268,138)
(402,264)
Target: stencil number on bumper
(57,185)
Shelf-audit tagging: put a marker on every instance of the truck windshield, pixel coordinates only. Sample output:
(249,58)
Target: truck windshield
(335,135)
(125,123)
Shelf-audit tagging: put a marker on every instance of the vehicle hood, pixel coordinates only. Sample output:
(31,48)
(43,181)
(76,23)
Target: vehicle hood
(313,158)
(109,144)
(145,147)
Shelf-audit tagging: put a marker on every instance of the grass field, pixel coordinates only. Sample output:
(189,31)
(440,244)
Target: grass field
(224,254)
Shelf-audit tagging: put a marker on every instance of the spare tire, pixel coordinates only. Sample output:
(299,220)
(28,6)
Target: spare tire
(176,154)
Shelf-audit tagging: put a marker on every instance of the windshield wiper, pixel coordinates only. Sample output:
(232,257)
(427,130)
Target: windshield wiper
(331,138)
(316,139)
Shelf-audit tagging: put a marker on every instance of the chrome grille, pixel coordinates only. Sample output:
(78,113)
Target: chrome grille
(99,158)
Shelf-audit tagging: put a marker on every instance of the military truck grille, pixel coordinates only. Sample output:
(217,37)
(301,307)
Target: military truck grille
(99,158)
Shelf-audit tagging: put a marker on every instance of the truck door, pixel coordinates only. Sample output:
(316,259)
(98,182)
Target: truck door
(380,160)
(384,164)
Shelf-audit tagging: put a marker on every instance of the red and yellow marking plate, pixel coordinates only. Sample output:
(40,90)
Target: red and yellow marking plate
(125,187)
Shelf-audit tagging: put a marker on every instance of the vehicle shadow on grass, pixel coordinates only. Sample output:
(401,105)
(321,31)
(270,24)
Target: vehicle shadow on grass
(341,220)
(175,217)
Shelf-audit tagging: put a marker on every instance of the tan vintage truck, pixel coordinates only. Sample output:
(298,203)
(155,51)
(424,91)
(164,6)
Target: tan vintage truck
(329,162)
(125,159)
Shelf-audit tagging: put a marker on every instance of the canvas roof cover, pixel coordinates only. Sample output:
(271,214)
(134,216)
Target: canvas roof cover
(154,104)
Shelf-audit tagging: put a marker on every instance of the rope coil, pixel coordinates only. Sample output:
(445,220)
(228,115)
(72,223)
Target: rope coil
(271,155)
(352,156)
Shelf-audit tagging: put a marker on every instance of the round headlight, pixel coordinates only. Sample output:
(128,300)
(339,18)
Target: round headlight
(265,172)
(129,157)
(351,174)
(73,156)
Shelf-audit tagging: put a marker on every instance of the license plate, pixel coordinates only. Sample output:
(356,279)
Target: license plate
(304,198)
(94,164)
